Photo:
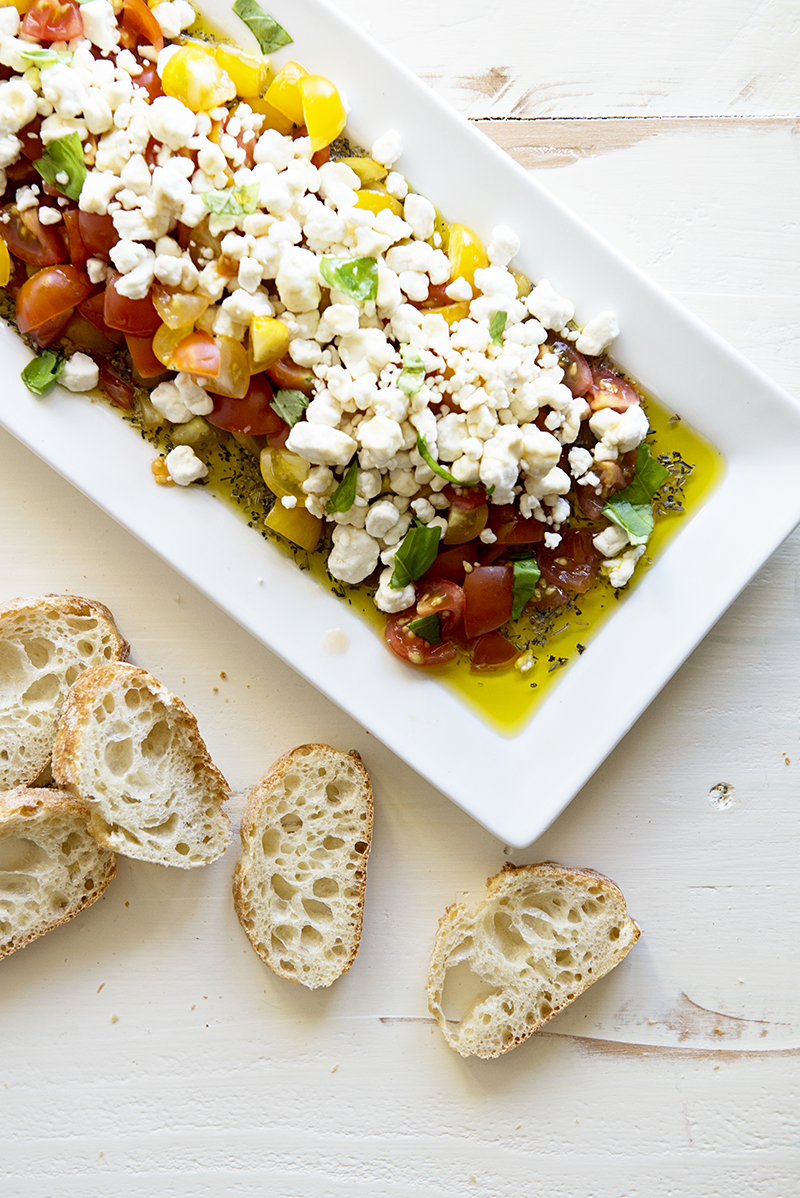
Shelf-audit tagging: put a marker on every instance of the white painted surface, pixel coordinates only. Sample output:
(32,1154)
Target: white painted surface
(676,1075)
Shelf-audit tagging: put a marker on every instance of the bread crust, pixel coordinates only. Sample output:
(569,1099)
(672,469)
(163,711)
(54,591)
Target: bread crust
(78,768)
(48,819)
(520,943)
(37,646)
(261,911)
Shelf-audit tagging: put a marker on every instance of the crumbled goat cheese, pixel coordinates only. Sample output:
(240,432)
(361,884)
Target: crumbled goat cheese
(184,466)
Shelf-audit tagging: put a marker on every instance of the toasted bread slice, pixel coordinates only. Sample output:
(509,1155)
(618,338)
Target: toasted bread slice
(299,882)
(45,643)
(132,750)
(51,867)
(504,965)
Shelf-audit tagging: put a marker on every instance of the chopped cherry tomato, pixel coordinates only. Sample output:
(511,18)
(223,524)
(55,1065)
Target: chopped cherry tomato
(150,81)
(451,564)
(48,294)
(118,390)
(32,147)
(444,599)
(51,330)
(287,373)
(466,499)
(511,528)
(252,414)
(437,297)
(31,241)
(137,17)
(128,315)
(98,232)
(53,21)
(609,390)
(145,363)
(197,354)
(493,651)
(92,309)
(415,649)
(488,595)
(78,254)
(549,595)
(572,565)
(577,372)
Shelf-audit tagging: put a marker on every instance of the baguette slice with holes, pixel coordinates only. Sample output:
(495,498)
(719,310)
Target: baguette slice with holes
(504,965)
(299,882)
(51,867)
(45,643)
(132,750)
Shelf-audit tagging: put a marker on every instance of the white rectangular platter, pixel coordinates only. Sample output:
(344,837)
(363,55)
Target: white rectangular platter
(515,786)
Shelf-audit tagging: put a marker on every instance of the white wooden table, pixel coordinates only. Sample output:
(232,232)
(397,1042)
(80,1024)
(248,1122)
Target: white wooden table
(144,1049)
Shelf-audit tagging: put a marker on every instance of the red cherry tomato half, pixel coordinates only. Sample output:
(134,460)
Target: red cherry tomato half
(31,241)
(252,414)
(451,563)
(572,565)
(150,81)
(53,21)
(78,254)
(92,310)
(197,354)
(32,147)
(488,595)
(443,599)
(512,529)
(577,372)
(288,374)
(415,649)
(609,390)
(51,330)
(137,17)
(128,315)
(493,651)
(98,233)
(48,294)
(145,362)
(118,390)
(464,499)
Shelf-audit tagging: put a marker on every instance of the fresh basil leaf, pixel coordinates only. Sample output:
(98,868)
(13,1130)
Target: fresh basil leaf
(412,376)
(266,30)
(631,508)
(428,627)
(356,278)
(496,327)
(636,519)
(40,373)
(232,201)
(415,554)
(432,464)
(289,405)
(62,165)
(526,576)
(344,496)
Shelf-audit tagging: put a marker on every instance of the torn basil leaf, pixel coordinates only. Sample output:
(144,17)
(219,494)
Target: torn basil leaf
(525,578)
(40,374)
(631,509)
(432,464)
(265,29)
(42,56)
(357,278)
(498,323)
(232,201)
(427,627)
(344,496)
(62,165)
(416,553)
(289,405)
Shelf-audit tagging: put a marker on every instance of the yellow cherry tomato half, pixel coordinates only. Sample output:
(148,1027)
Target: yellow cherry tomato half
(283,93)
(324,113)
(376,201)
(193,76)
(296,524)
(248,71)
(272,118)
(178,308)
(269,341)
(451,312)
(5,264)
(284,472)
(466,253)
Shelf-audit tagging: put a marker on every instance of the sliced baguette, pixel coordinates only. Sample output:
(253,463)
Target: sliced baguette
(45,643)
(132,750)
(51,867)
(299,882)
(504,965)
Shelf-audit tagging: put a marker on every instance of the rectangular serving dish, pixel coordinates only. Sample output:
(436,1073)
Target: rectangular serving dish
(514,785)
